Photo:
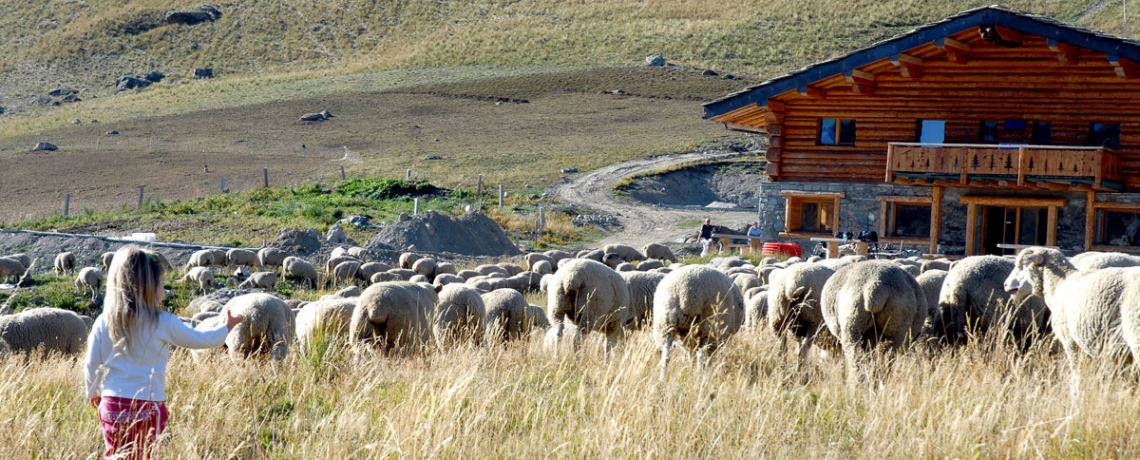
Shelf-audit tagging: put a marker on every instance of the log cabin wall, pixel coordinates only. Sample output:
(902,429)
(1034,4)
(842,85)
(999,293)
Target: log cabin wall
(1031,82)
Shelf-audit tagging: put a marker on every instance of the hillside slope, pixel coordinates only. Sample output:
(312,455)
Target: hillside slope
(87,44)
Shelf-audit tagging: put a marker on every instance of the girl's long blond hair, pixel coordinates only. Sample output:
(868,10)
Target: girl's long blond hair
(134,290)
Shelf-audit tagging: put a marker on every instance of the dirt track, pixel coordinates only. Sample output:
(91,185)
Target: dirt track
(644,223)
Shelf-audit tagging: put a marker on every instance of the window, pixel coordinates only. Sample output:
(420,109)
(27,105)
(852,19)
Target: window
(1119,227)
(1105,135)
(988,132)
(1015,124)
(834,131)
(906,216)
(932,131)
(811,212)
(1042,132)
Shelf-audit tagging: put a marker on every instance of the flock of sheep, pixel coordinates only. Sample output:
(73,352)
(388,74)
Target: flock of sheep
(1090,302)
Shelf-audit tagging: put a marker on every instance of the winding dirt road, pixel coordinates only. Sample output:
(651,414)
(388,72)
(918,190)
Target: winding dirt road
(643,223)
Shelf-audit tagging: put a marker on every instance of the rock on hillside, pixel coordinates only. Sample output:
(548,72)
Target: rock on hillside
(472,234)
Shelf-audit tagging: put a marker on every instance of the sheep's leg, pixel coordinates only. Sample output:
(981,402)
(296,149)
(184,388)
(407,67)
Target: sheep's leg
(666,348)
(805,344)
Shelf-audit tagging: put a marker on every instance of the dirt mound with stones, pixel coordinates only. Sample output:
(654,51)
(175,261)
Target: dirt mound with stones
(472,234)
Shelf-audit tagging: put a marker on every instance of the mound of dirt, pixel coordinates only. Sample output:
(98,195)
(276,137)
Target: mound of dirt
(711,185)
(303,242)
(472,234)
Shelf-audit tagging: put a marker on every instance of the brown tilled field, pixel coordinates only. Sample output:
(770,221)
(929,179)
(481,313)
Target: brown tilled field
(515,131)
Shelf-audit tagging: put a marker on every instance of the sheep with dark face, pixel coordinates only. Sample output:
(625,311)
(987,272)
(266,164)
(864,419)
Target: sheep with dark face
(699,306)
(591,296)
(872,303)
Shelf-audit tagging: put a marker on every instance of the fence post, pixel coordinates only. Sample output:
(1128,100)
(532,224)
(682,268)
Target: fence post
(342,176)
(541,219)
(141,187)
(408,175)
(223,183)
(479,186)
(500,196)
(416,206)
(265,176)
(66,203)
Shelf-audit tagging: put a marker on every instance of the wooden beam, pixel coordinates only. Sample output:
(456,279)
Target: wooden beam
(1067,54)
(935,219)
(909,66)
(1006,201)
(1124,68)
(971,228)
(956,51)
(861,82)
(1090,219)
(812,92)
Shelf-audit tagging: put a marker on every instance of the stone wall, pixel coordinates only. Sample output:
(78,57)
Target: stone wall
(859,201)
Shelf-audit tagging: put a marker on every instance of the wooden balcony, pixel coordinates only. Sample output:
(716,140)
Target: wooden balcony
(1036,167)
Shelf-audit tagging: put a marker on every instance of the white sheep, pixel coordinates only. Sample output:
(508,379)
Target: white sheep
(650,264)
(626,252)
(699,306)
(89,279)
(393,315)
(425,266)
(260,280)
(590,295)
(534,257)
(64,263)
(642,286)
(508,316)
(1099,260)
(558,255)
(459,316)
(1093,312)
(344,272)
(407,259)
(201,258)
(756,308)
(106,258)
(973,302)
(299,269)
(931,281)
(242,257)
(334,261)
(11,268)
(328,318)
(271,257)
(358,252)
(875,303)
(351,291)
(200,275)
(542,267)
(794,299)
(47,330)
(268,326)
(659,251)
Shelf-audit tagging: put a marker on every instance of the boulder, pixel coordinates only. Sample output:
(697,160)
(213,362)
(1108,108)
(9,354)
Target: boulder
(193,16)
(335,235)
(42,100)
(128,83)
(655,60)
(70,98)
(709,73)
(61,91)
(154,76)
(206,72)
(44,147)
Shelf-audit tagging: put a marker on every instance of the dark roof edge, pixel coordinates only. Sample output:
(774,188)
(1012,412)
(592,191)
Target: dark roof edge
(1028,23)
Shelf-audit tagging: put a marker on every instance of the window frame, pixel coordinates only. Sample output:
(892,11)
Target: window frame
(793,212)
(919,129)
(838,133)
(984,126)
(888,217)
(1110,142)
(1037,130)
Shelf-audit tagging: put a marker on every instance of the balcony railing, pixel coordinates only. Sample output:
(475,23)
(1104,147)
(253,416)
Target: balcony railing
(1020,166)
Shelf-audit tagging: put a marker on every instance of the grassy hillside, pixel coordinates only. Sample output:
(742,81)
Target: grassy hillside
(88,43)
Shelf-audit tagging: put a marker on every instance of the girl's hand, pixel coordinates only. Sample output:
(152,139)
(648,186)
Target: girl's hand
(233,319)
(95,402)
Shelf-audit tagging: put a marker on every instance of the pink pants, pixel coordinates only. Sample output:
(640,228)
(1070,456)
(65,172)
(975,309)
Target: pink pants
(131,426)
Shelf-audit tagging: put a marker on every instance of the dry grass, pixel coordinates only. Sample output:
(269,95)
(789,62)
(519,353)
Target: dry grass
(518,402)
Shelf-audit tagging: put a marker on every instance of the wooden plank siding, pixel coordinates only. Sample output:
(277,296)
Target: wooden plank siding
(1029,82)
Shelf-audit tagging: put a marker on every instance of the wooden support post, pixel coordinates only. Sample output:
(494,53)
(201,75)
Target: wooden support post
(861,81)
(222,184)
(971,228)
(935,219)
(141,187)
(415,206)
(265,176)
(890,162)
(541,219)
(1090,219)
(1050,229)
(343,177)
(408,175)
(479,186)
(500,196)
(66,204)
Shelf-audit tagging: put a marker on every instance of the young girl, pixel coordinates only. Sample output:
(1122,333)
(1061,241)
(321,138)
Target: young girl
(128,349)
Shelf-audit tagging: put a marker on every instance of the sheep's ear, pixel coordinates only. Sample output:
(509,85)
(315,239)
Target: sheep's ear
(1036,259)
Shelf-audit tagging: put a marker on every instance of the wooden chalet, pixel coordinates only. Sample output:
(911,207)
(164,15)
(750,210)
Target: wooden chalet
(991,127)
